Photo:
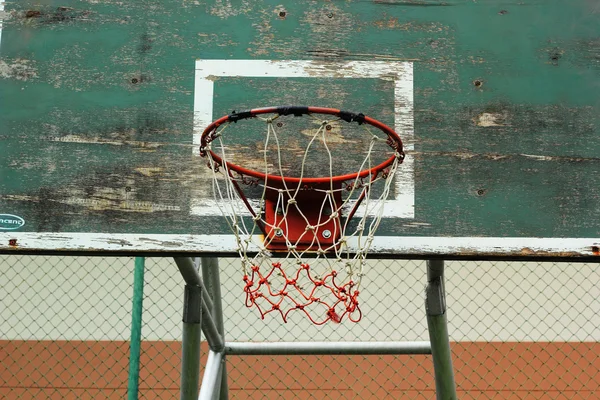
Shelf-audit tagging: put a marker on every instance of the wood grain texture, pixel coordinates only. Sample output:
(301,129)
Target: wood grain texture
(97,120)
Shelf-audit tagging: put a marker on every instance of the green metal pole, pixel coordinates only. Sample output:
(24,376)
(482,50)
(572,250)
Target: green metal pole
(136,329)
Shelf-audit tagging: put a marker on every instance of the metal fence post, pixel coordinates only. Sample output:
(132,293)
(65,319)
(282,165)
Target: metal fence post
(437,324)
(136,329)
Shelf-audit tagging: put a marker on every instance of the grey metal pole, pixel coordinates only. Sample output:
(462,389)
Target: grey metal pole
(213,337)
(323,348)
(190,275)
(211,375)
(211,276)
(190,358)
(437,324)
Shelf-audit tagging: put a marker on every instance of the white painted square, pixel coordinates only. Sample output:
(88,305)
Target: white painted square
(402,203)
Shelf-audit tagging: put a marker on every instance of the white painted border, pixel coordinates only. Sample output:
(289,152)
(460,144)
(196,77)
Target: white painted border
(402,205)
(2,2)
(407,246)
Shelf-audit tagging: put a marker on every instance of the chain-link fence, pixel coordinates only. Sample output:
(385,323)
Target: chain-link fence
(518,330)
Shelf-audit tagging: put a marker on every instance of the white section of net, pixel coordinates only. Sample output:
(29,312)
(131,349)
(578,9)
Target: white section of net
(362,199)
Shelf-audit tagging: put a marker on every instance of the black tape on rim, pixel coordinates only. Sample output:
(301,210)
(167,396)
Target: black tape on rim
(235,117)
(352,117)
(295,110)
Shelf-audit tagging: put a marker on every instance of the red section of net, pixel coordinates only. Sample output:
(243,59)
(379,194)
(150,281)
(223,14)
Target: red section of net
(341,301)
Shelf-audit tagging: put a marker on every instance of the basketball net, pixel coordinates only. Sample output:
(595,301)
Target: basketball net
(293,239)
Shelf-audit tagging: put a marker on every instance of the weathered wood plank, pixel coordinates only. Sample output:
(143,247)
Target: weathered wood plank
(97,107)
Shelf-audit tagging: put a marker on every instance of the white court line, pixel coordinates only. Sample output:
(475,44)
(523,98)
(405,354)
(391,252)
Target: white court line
(402,204)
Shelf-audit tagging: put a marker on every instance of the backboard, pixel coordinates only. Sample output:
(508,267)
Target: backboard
(102,105)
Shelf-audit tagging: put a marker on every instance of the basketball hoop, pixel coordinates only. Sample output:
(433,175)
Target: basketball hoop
(310,215)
